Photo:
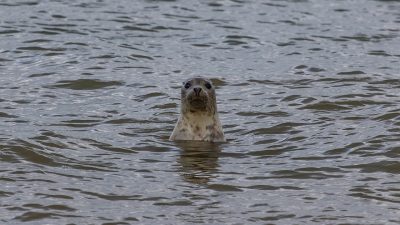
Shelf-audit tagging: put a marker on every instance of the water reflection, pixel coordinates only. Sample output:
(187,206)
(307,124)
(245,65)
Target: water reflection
(198,161)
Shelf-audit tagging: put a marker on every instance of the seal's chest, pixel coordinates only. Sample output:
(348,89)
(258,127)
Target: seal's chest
(198,128)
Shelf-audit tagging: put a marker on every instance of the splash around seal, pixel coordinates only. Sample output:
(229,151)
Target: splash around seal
(198,120)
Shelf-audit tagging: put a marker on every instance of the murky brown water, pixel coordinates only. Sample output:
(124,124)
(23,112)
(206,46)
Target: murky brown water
(308,95)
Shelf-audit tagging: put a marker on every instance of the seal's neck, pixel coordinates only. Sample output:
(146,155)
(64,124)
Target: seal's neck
(200,118)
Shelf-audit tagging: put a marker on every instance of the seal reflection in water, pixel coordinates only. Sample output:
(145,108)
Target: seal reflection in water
(199,117)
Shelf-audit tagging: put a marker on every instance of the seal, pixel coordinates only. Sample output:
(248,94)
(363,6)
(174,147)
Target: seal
(198,119)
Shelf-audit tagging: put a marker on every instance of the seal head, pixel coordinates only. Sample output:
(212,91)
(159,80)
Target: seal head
(199,117)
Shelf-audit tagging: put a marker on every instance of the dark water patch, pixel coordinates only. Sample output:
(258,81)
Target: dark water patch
(106,56)
(203,45)
(234,42)
(80,123)
(174,203)
(9,31)
(6,115)
(44,32)
(316,69)
(20,3)
(126,121)
(138,57)
(355,72)
(151,148)
(76,43)
(384,166)
(50,196)
(192,17)
(275,5)
(50,143)
(223,187)
(378,53)
(4,60)
(273,188)
(230,27)
(240,37)
(86,84)
(347,148)
(62,30)
(393,152)
(273,218)
(284,44)
(150,95)
(138,28)
(358,37)
(391,82)
(267,153)
(372,196)
(58,16)
(290,22)
(279,129)
(264,114)
(387,116)
(300,67)
(315,158)
(41,74)
(49,207)
(34,216)
(360,103)
(302,39)
(29,152)
(341,10)
(37,48)
(112,196)
(57,24)
(299,174)
(170,28)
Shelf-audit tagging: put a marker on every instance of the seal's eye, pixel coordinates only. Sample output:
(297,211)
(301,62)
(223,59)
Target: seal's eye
(208,85)
(187,85)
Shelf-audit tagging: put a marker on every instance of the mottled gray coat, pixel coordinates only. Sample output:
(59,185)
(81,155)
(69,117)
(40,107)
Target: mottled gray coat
(199,119)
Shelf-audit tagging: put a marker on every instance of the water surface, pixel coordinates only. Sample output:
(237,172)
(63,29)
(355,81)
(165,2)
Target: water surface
(308,93)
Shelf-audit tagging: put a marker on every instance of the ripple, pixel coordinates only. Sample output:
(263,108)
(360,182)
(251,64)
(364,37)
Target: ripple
(34,216)
(387,116)
(6,115)
(137,28)
(86,84)
(49,207)
(355,72)
(326,106)
(30,152)
(21,3)
(41,74)
(299,174)
(223,187)
(383,166)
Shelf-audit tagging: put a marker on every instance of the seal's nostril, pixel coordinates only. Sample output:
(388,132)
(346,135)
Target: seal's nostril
(197,91)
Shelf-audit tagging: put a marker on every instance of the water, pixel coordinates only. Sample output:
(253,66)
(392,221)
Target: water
(308,93)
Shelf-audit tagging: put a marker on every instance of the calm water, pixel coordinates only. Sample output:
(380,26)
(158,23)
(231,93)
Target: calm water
(308,94)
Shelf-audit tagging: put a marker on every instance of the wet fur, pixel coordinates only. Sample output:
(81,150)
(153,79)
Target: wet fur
(198,122)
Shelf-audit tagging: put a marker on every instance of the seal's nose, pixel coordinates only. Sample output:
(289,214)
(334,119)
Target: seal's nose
(197,91)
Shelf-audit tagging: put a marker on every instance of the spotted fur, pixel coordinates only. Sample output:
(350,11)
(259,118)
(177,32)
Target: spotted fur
(199,119)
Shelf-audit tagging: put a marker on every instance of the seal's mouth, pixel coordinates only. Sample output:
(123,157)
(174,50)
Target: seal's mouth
(198,104)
